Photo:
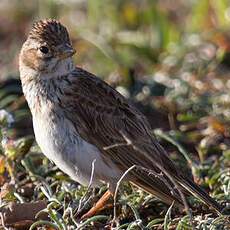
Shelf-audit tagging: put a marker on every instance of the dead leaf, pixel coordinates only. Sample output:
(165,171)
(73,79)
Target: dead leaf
(18,215)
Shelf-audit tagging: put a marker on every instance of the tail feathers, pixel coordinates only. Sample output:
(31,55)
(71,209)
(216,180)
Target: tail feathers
(166,197)
(185,183)
(199,193)
(157,186)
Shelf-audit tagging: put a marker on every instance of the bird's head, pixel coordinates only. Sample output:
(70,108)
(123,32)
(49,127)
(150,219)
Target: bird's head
(47,49)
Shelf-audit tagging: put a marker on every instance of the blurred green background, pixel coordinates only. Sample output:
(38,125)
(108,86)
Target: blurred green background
(114,37)
(171,57)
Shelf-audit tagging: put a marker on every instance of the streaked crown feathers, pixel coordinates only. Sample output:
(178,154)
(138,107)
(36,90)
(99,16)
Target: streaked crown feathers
(50,31)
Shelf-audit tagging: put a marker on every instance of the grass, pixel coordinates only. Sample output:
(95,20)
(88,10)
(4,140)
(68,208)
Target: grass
(24,165)
(174,66)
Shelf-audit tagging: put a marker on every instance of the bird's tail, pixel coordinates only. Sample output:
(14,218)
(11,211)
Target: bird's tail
(185,182)
(166,197)
(159,184)
(157,187)
(197,191)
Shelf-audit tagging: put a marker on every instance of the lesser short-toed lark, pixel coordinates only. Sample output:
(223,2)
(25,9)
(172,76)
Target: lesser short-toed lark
(76,116)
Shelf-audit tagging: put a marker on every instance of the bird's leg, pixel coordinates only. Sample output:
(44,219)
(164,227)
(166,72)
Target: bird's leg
(98,206)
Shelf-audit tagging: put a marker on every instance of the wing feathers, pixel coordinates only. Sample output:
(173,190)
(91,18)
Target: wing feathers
(100,113)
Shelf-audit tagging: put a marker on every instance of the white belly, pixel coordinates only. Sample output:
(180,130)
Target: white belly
(60,142)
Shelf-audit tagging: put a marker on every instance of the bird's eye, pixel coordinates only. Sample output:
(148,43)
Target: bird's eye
(44,49)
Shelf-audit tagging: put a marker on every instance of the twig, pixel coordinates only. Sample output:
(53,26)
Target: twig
(168,217)
(116,192)
(80,207)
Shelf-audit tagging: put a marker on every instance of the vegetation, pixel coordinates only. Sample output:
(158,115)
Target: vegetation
(172,59)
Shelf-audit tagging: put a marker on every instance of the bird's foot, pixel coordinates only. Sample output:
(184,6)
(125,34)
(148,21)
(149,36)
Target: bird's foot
(99,206)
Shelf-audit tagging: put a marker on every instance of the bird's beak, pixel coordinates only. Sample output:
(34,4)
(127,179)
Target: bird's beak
(66,51)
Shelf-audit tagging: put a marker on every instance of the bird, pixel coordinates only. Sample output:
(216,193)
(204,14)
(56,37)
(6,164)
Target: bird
(78,119)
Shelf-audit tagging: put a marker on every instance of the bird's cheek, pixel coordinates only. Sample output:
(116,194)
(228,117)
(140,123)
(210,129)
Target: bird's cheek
(30,59)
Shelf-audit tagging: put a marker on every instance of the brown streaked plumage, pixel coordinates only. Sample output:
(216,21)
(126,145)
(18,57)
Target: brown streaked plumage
(76,115)
(50,31)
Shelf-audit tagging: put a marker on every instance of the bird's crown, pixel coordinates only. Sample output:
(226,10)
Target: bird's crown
(50,31)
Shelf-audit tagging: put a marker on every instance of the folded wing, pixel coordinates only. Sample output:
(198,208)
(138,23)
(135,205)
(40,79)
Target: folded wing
(103,117)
